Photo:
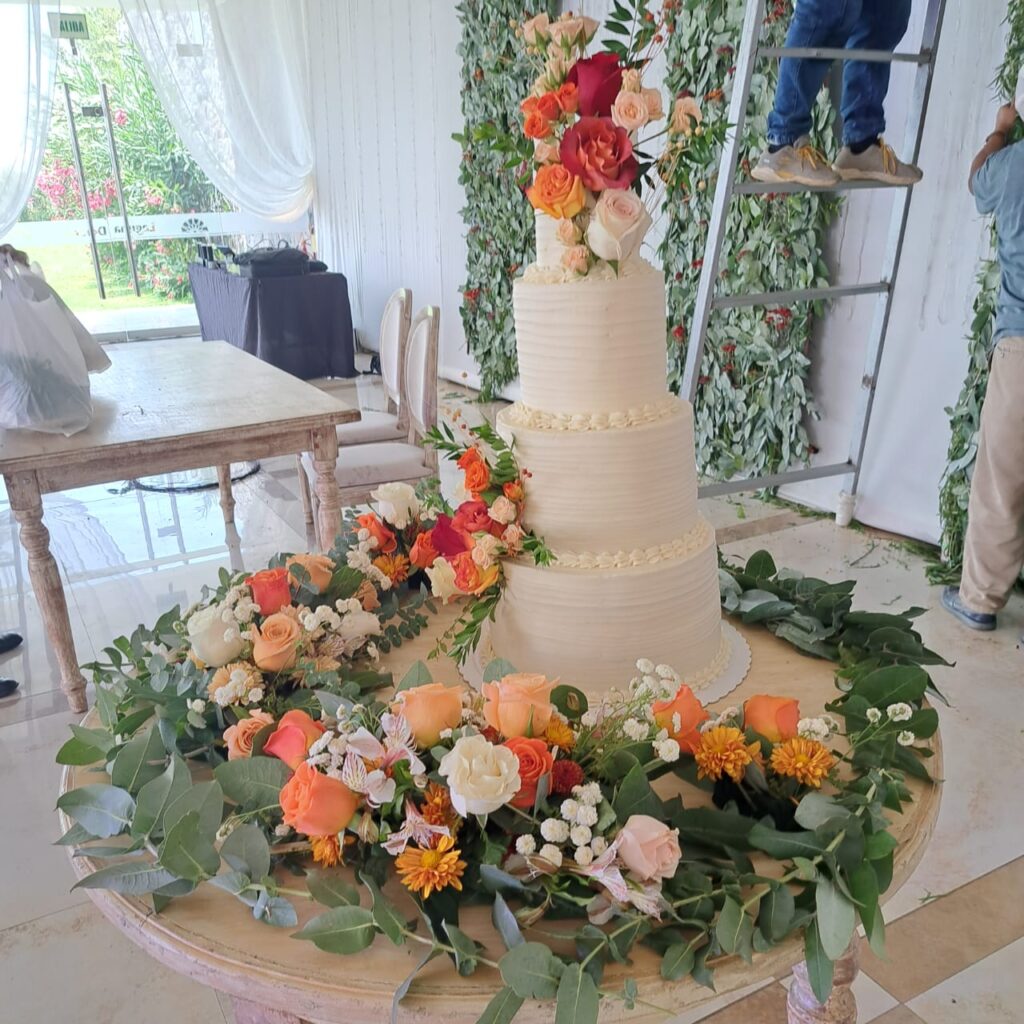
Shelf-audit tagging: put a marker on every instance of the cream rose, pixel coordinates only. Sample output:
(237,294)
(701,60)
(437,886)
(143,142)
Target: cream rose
(567,232)
(397,504)
(652,97)
(214,636)
(481,777)
(503,510)
(684,113)
(545,153)
(576,259)
(536,29)
(648,848)
(630,111)
(485,550)
(442,581)
(512,538)
(618,225)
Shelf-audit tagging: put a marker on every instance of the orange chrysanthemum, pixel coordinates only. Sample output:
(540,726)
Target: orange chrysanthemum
(807,761)
(437,807)
(559,734)
(426,871)
(395,567)
(723,750)
(326,850)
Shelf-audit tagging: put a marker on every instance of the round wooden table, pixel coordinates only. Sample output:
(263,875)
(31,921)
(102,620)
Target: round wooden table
(272,979)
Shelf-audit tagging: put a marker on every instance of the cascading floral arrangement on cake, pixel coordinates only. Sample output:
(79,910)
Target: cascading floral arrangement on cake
(612,485)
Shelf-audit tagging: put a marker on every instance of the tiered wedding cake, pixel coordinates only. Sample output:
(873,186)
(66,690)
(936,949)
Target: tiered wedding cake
(612,486)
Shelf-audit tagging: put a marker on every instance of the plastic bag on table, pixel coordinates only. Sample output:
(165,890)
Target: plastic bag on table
(44,380)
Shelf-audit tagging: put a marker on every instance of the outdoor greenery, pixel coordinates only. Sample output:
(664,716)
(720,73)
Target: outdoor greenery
(499,222)
(753,399)
(965,416)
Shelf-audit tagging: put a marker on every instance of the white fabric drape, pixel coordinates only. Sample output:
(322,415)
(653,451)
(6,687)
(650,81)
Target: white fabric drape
(232,76)
(28,61)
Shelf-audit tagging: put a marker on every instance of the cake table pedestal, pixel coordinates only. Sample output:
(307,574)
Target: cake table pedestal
(272,979)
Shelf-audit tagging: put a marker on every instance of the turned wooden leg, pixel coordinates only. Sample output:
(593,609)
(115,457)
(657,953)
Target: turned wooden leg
(251,1013)
(227,499)
(307,498)
(27,505)
(328,510)
(802,1005)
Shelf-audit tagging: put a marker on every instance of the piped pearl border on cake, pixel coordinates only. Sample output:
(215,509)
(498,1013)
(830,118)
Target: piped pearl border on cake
(520,415)
(695,540)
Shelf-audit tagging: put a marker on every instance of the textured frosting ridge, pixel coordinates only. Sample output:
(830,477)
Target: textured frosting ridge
(522,415)
(693,541)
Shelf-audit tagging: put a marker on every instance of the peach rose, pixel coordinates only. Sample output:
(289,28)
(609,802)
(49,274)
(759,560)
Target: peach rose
(652,98)
(275,645)
(572,30)
(294,735)
(685,729)
(366,595)
(512,538)
(545,153)
(567,232)
(486,549)
(576,259)
(629,111)
(315,804)
(239,736)
(648,848)
(536,29)
(519,705)
(618,225)
(774,718)
(630,80)
(535,761)
(556,192)
(319,567)
(429,709)
(685,113)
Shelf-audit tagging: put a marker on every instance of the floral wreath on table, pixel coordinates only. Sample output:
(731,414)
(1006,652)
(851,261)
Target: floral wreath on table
(581,150)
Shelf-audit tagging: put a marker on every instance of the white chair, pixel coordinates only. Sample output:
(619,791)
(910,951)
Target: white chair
(363,467)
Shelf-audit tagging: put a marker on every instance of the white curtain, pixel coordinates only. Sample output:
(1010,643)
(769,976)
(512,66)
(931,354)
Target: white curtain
(232,76)
(28,63)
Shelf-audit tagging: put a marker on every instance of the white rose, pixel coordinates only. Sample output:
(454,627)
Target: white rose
(503,510)
(442,581)
(536,29)
(618,225)
(211,643)
(355,625)
(481,777)
(397,504)
(630,111)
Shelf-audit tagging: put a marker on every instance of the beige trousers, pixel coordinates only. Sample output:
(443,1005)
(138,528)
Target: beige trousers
(994,547)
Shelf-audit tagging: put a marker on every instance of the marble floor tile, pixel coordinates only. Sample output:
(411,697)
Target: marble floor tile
(73,966)
(709,1010)
(899,1015)
(766,1006)
(988,992)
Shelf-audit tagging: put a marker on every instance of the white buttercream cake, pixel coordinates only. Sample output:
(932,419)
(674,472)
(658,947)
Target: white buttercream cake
(612,486)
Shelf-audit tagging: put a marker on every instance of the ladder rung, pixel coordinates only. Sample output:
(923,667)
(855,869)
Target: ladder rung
(780,298)
(751,187)
(832,53)
(791,476)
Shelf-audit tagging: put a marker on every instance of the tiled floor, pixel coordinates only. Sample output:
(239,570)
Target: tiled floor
(956,938)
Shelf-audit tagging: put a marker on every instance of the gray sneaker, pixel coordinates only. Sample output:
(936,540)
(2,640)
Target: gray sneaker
(876,163)
(800,162)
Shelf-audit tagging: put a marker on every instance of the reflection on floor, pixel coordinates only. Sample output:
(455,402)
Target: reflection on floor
(956,950)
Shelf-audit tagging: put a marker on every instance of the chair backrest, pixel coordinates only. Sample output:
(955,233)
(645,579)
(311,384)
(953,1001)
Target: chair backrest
(421,371)
(394,332)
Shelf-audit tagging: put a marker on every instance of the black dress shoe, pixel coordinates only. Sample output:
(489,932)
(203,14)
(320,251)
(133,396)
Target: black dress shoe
(7,687)
(9,642)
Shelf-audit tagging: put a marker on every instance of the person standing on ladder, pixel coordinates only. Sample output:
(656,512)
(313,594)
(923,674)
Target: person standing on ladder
(994,545)
(853,24)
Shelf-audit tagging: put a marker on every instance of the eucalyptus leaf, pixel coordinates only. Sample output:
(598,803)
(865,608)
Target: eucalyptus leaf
(204,798)
(131,878)
(836,918)
(140,760)
(385,916)
(187,851)
(403,989)
(497,669)
(331,888)
(341,930)
(820,968)
(253,782)
(157,795)
(466,950)
(776,913)
(418,675)
(505,922)
(502,1008)
(677,961)
(246,849)
(531,970)
(103,810)
(864,886)
(577,997)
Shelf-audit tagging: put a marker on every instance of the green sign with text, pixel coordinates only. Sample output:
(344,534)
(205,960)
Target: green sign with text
(69,26)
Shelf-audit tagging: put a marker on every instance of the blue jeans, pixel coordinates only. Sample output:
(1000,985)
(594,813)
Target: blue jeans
(857,24)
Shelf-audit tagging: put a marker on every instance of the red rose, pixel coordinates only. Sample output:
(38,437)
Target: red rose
(600,153)
(270,590)
(597,80)
(449,539)
(472,517)
(535,761)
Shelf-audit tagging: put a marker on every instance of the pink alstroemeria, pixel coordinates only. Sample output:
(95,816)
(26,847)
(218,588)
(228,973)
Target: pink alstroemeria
(603,870)
(415,829)
(376,785)
(363,747)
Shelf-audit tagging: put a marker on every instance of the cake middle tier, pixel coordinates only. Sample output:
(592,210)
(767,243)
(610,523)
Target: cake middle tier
(597,489)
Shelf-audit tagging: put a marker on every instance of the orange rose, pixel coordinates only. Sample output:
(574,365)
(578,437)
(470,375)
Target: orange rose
(294,735)
(535,762)
(478,477)
(536,126)
(774,718)
(549,107)
(423,553)
(275,645)
(519,705)
(386,542)
(270,590)
(239,736)
(513,490)
(319,567)
(569,98)
(529,105)
(686,730)
(429,709)
(469,577)
(556,192)
(316,805)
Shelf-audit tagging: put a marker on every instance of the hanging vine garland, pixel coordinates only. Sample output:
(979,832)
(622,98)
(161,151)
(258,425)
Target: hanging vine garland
(754,399)
(499,222)
(965,416)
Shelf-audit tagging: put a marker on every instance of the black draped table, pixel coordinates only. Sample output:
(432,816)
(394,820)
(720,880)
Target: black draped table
(300,324)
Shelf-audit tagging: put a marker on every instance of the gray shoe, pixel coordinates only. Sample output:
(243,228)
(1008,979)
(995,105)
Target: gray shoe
(982,621)
(800,162)
(876,163)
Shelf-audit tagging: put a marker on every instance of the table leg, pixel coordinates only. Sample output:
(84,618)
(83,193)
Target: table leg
(325,460)
(802,1005)
(227,499)
(27,505)
(252,1013)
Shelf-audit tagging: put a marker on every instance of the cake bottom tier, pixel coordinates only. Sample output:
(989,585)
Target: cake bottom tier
(588,627)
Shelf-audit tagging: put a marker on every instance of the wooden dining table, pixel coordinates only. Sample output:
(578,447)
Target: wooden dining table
(162,407)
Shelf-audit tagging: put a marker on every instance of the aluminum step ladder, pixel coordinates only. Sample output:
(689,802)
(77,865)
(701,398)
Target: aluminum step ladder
(727,186)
